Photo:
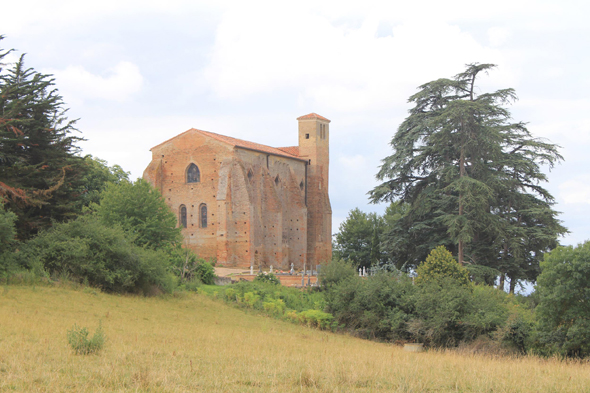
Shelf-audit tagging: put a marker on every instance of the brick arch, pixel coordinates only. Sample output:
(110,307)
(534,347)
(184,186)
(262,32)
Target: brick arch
(182,220)
(192,173)
(203,215)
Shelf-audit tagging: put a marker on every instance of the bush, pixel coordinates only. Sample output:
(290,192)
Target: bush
(293,298)
(316,318)
(563,310)
(230,294)
(205,272)
(269,278)
(7,240)
(377,307)
(141,211)
(517,331)
(335,272)
(447,314)
(274,307)
(440,263)
(85,249)
(81,344)
(250,299)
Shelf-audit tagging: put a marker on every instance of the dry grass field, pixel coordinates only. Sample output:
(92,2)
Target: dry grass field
(194,344)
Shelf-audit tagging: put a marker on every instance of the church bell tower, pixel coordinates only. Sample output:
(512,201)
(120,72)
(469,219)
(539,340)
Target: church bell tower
(314,146)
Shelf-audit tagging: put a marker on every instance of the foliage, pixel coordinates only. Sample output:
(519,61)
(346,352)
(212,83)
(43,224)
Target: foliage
(377,307)
(86,249)
(333,273)
(274,307)
(313,318)
(471,179)
(81,344)
(357,239)
(269,278)
(448,314)
(437,312)
(563,312)
(40,171)
(293,298)
(518,331)
(188,266)
(7,239)
(95,179)
(439,264)
(141,211)
(205,272)
(304,307)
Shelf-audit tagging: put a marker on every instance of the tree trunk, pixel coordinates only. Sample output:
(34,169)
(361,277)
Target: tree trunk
(460,255)
(512,285)
(502,278)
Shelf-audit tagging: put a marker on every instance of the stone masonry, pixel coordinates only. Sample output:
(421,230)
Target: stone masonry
(248,204)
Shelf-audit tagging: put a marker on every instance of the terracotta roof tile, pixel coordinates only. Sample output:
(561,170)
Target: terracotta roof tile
(251,145)
(312,116)
(289,151)
(293,150)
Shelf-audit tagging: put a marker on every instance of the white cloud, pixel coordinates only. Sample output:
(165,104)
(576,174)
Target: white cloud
(118,83)
(498,35)
(42,16)
(576,191)
(331,64)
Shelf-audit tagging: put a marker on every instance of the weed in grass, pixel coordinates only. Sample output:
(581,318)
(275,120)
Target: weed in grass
(81,344)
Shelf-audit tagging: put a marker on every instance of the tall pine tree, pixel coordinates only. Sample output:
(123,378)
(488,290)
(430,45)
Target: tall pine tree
(471,178)
(39,168)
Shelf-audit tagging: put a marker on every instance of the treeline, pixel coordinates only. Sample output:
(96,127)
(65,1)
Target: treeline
(468,216)
(463,174)
(441,307)
(64,216)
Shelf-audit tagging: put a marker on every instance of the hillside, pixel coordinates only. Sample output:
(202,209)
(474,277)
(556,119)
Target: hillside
(192,343)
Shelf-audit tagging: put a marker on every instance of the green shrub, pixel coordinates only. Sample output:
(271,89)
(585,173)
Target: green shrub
(230,294)
(293,298)
(517,331)
(269,278)
(86,249)
(81,344)
(335,272)
(7,241)
(440,263)
(316,318)
(250,299)
(274,307)
(564,306)
(440,309)
(447,314)
(377,307)
(205,272)
(141,211)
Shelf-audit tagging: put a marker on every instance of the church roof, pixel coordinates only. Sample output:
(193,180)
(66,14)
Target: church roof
(250,145)
(289,152)
(312,116)
(293,150)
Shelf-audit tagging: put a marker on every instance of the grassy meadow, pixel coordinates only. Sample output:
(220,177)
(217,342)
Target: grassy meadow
(194,344)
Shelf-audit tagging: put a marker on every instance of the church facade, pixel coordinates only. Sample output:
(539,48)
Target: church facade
(248,204)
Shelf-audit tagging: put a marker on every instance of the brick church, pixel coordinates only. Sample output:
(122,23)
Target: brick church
(248,204)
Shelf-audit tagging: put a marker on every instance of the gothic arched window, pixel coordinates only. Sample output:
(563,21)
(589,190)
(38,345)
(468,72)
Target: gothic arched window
(193,175)
(182,214)
(203,215)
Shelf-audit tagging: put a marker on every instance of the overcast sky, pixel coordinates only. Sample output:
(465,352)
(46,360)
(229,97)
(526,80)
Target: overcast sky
(139,72)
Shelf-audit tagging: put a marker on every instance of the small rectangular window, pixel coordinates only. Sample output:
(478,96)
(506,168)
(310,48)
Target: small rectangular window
(306,136)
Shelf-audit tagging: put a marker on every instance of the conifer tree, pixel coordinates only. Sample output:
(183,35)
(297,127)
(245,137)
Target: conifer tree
(472,178)
(39,167)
